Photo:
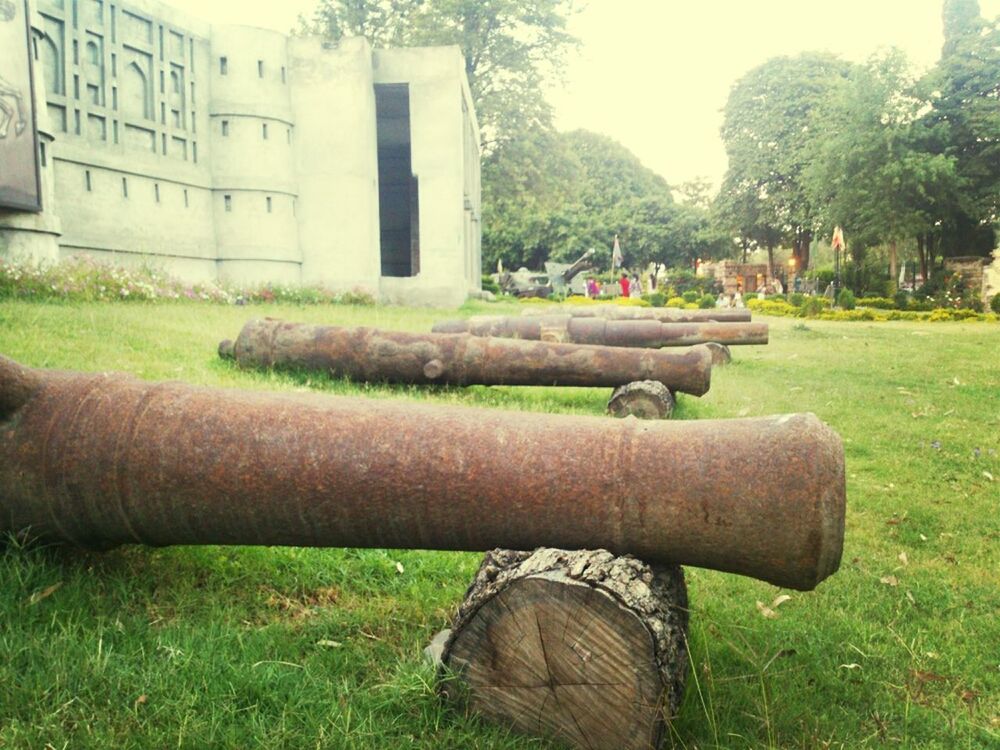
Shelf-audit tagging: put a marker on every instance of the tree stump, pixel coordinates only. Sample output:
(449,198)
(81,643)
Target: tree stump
(584,647)
(645,399)
(720,353)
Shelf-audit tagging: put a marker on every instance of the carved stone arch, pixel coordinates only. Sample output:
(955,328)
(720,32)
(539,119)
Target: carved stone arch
(52,65)
(93,53)
(136,100)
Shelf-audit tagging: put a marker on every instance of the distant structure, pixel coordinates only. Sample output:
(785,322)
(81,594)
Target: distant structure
(242,155)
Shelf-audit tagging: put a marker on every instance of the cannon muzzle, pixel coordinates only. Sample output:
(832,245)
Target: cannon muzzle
(602,332)
(103,459)
(372,355)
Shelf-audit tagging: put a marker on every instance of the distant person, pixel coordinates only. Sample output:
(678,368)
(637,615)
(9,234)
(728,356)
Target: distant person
(798,284)
(778,288)
(624,284)
(738,298)
(635,288)
(593,291)
(721,301)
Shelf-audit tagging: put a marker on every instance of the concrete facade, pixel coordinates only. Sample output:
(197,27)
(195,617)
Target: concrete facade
(236,154)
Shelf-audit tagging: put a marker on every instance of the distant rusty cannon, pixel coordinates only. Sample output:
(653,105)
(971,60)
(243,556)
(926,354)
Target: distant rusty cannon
(636,312)
(104,459)
(373,355)
(600,331)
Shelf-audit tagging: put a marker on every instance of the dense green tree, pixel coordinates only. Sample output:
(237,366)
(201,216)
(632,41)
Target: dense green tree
(554,195)
(766,132)
(869,167)
(510,47)
(965,97)
(961,20)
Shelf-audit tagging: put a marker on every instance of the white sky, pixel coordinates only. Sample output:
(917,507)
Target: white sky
(655,74)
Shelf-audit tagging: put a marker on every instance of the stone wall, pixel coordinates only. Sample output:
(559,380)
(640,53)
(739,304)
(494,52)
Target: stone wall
(238,154)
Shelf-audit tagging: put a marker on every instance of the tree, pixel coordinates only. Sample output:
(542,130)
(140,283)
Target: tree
(552,195)
(869,167)
(384,23)
(766,130)
(509,48)
(961,20)
(965,108)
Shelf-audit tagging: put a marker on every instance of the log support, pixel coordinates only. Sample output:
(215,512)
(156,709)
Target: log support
(584,647)
(645,399)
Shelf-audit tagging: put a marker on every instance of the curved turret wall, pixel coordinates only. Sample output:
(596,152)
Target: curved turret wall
(253,168)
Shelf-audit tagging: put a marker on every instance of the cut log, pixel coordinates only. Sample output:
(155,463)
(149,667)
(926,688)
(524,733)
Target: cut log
(583,647)
(645,399)
(721,355)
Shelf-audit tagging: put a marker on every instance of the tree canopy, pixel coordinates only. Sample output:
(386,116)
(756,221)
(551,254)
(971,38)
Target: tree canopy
(509,47)
(814,141)
(767,128)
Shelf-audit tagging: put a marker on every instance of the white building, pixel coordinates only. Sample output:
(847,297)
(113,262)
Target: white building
(237,154)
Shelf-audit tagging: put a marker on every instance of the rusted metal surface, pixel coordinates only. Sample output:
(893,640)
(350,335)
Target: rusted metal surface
(371,355)
(600,331)
(104,459)
(663,314)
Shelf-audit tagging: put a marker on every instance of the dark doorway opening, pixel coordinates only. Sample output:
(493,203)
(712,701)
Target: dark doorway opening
(398,195)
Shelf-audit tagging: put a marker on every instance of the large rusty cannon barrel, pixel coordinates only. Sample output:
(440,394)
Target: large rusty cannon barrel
(370,354)
(603,332)
(635,312)
(104,459)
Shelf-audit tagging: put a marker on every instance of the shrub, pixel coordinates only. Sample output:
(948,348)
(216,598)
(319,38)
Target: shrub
(813,306)
(684,280)
(845,299)
(631,302)
(357,296)
(772,307)
(657,299)
(879,303)
(489,285)
(675,302)
(691,295)
(796,299)
(995,303)
(83,279)
(901,299)
(706,302)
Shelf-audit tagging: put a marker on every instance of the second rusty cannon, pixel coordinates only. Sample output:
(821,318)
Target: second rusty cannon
(604,332)
(374,355)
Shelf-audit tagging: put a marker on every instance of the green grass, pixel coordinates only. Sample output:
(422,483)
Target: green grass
(246,647)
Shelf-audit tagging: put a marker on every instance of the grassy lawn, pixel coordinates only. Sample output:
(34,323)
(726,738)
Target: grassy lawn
(248,647)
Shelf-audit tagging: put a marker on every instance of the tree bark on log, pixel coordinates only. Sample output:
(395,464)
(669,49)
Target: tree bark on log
(583,646)
(645,399)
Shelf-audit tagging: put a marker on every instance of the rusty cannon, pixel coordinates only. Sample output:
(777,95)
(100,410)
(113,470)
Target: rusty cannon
(372,355)
(663,314)
(600,331)
(105,459)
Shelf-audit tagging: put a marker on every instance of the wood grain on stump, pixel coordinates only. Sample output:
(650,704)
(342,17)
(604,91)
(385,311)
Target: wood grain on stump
(584,647)
(645,399)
